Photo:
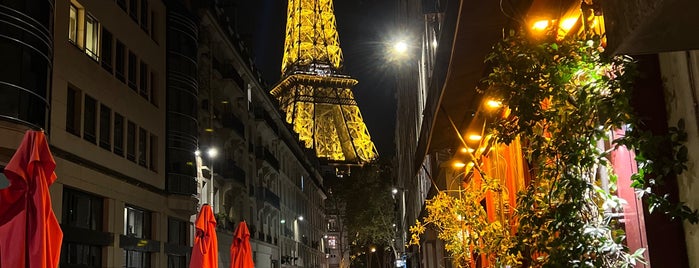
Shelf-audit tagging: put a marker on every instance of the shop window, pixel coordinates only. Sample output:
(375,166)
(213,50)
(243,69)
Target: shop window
(136,259)
(82,210)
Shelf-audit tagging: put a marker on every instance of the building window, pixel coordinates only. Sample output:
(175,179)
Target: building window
(80,255)
(92,34)
(133,10)
(153,157)
(105,127)
(143,79)
(118,134)
(136,259)
(73,25)
(142,139)
(176,261)
(153,88)
(144,15)
(120,54)
(177,232)
(90,120)
(153,24)
(73,111)
(82,210)
(122,4)
(131,141)
(132,70)
(107,50)
(137,222)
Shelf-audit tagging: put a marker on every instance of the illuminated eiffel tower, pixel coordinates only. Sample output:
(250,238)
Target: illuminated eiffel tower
(314,93)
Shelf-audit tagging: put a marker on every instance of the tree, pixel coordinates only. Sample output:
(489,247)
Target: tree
(369,208)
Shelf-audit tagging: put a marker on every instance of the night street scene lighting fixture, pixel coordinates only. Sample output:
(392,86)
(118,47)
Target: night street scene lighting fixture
(300,218)
(212,153)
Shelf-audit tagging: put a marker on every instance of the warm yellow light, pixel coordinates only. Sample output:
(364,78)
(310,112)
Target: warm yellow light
(540,25)
(568,23)
(373,249)
(459,164)
(209,130)
(474,137)
(493,103)
(224,102)
(400,47)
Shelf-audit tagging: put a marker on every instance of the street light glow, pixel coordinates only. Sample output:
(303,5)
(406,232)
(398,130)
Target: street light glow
(197,153)
(212,152)
(394,190)
(400,47)
(300,218)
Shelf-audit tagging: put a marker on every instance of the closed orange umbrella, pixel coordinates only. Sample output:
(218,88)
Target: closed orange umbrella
(241,254)
(205,250)
(29,232)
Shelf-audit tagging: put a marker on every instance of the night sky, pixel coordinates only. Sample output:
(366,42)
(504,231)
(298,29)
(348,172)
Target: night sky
(365,27)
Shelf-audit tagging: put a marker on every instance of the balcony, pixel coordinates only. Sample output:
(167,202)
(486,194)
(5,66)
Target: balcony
(230,120)
(262,115)
(233,172)
(264,154)
(272,198)
(180,184)
(227,71)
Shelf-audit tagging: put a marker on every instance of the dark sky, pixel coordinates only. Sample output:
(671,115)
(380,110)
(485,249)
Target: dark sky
(364,28)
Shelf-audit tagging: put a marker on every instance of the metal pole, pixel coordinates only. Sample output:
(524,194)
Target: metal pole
(211,185)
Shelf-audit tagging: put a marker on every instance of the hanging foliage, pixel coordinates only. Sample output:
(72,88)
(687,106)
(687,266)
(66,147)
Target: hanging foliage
(565,97)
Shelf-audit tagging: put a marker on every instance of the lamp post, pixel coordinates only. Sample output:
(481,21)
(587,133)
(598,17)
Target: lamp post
(402,241)
(212,153)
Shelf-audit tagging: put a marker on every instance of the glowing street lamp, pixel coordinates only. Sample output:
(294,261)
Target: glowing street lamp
(212,153)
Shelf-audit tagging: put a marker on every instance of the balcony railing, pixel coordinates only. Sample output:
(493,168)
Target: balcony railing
(227,71)
(264,154)
(233,172)
(272,198)
(179,184)
(230,120)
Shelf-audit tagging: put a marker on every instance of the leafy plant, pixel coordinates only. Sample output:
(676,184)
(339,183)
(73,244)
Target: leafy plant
(564,98)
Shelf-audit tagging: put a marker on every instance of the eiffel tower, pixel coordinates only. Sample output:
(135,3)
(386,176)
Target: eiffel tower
(314,94)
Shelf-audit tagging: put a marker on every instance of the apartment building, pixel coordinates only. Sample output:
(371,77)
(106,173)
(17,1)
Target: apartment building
(261,175)
(128,91)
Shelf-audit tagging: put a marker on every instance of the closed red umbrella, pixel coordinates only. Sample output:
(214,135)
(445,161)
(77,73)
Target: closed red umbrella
(241,254)
(205,250)
(29,232)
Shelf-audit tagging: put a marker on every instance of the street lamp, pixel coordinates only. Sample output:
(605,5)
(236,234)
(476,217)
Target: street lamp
(212,153)
(403,235)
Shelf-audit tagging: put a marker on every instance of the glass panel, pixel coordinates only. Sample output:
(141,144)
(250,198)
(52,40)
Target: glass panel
(73,25)
(120,54)
(132,70)
(142,139)
(91,37)
(118,134)
(73,111)
(105,127)
(107,50)
(90,118)
(131,141)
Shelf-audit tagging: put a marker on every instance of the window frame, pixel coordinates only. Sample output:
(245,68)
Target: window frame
(93,34)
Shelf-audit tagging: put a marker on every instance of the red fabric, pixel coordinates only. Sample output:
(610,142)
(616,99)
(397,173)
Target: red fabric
(29,232)
(205,250)
(241,254)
